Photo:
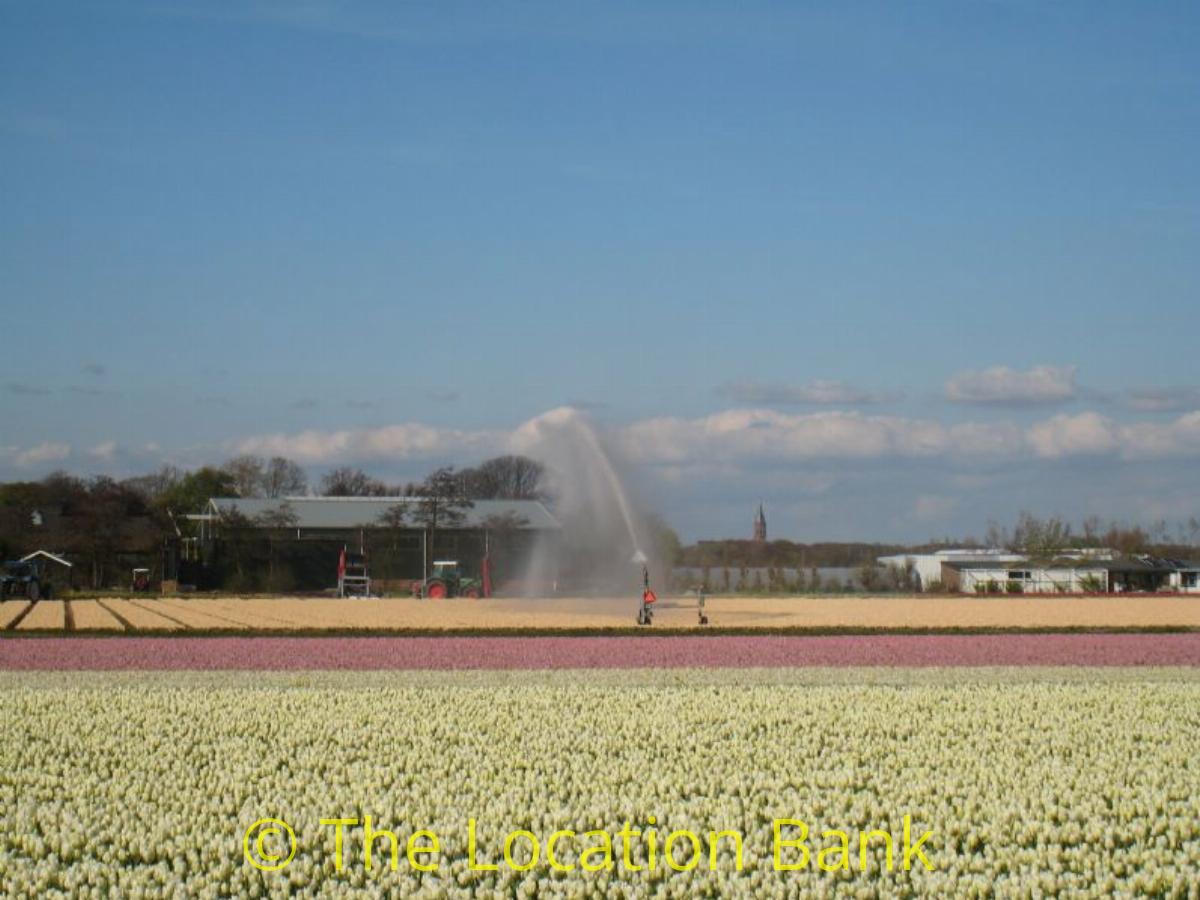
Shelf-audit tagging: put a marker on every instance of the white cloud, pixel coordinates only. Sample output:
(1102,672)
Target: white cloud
(740,438)
(389,443)
(760,434)
(105,450)
(1086,434)
(1090,434)
(1156,440)
(746,436)
(45,452)
(1178,398)
(1002,386)
(821,392)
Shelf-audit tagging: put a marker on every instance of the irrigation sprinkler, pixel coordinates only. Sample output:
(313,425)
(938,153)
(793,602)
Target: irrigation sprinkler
(646,610)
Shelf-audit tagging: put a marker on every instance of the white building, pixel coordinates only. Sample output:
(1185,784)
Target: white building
(928,566)
(1186,577)
(1090,573)
(969,577)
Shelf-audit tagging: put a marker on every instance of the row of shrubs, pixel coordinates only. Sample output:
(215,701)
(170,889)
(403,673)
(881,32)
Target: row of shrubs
(1088,584)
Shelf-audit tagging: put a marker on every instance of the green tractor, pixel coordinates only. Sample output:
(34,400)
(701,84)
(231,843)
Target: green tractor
(448,581)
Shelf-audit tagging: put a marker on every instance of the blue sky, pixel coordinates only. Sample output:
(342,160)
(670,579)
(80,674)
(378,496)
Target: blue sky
(896,269)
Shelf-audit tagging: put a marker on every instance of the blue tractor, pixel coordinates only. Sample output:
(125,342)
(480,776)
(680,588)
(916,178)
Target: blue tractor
(24,578)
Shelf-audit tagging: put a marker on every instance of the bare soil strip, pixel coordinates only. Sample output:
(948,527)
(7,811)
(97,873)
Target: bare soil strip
(607,615)
(91,615)
(749,613)
(259,618)
(42,615)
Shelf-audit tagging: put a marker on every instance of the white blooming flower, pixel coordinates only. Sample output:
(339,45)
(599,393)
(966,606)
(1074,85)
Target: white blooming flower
(1034,783)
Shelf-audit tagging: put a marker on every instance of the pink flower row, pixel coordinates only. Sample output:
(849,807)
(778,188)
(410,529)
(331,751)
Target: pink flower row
(269,653)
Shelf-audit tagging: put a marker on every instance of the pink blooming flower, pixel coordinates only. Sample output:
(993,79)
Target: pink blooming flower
(668,651)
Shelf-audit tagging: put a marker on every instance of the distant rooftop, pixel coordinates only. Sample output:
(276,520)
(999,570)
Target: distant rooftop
(366,512)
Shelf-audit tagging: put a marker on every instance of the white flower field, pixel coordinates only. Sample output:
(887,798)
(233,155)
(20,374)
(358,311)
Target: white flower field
(1032,782)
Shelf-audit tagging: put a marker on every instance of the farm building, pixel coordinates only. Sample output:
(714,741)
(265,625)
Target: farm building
(927,567)
(1021,576)
(1142,574)
(1186,577)
(295,542)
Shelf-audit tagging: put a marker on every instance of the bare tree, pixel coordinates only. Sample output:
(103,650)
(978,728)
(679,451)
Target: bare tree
(235,534)
(283,478)
(997,536)
(505,478)
(393,519)
(1040,538)
(247,474)
(156,484)
(443,504)
(350,482)
(275,520)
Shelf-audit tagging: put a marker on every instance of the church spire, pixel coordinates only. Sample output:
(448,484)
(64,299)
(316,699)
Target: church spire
(760,524)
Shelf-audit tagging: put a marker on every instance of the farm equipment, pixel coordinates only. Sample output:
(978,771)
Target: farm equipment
(649,598)
(141,581)
(23,578)
(353,577)
(447,580)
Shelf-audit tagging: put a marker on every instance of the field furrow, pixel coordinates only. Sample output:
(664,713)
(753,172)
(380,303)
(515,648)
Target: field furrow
(140,617)
(199,613)
(10,611)
(90,615)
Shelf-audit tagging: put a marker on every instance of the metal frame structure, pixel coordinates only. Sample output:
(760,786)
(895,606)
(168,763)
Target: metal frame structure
(354,578)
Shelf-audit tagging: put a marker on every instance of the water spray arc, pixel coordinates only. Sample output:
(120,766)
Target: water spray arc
(589,437)
(599,523)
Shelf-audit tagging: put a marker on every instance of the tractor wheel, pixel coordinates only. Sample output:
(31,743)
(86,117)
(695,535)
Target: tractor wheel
(471,593)
(436,590)
(33,591)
